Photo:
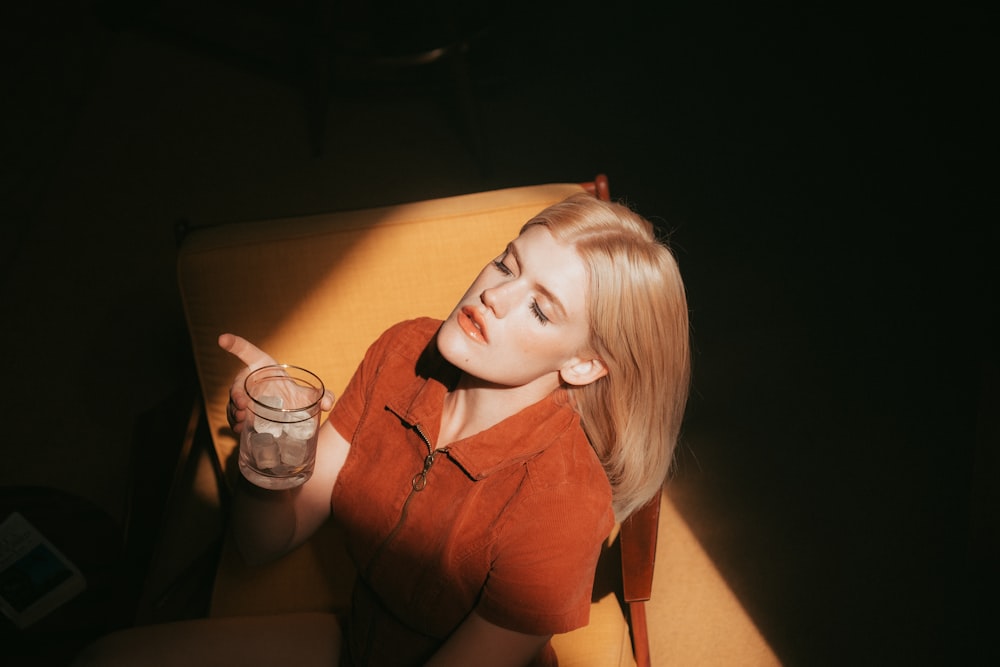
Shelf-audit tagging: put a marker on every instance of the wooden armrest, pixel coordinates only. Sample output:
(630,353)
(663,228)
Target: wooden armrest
(638,544)
(638,536)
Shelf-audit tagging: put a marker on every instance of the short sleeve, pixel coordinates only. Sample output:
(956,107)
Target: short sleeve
(542,576)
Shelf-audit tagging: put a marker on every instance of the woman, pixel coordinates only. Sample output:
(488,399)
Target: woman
(476,465)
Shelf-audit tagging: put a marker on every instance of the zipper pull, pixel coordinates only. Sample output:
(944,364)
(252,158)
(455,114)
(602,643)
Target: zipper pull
(420,479)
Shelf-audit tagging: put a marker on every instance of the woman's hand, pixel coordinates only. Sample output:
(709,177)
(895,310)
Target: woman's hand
(268,524)
(254,358)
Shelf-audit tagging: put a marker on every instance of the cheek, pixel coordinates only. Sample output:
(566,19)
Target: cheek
(543,349)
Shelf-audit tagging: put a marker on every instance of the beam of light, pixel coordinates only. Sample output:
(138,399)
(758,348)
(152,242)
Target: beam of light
(694,617)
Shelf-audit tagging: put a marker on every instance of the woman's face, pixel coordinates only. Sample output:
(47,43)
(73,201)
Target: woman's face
(524,320)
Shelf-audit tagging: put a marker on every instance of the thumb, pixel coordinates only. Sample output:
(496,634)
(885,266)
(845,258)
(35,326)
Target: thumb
(247,352)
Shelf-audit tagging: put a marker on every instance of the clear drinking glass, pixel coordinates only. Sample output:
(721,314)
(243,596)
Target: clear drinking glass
(278,443)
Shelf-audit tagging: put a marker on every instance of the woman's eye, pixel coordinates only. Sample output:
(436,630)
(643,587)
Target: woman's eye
(537,312)
(501,266)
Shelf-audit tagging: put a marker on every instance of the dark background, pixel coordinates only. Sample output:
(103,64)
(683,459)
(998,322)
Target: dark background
(815,165)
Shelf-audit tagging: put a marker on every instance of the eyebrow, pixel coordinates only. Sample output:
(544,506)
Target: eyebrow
(549,295)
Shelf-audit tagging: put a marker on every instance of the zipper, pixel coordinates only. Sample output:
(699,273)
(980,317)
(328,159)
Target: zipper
(417,484)
(419,481)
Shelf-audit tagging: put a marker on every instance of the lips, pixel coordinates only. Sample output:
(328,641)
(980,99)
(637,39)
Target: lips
(471,322)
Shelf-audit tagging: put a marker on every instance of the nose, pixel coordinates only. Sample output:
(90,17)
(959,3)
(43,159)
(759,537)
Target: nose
(496,299)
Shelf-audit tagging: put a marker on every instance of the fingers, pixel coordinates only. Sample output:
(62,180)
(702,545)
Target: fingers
(247,352)
(254,358)
(234,415)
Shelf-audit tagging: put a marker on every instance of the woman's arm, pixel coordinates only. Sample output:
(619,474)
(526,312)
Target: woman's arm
(481,643)
(268,524)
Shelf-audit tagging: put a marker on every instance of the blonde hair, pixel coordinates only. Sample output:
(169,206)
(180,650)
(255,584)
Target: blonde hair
(639,329)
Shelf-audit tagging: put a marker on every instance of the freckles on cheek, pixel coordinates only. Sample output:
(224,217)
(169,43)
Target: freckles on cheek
(530,350)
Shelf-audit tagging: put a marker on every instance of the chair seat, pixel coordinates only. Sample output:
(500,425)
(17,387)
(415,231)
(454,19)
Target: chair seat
(605,642)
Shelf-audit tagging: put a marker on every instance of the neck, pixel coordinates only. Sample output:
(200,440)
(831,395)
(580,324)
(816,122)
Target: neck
(474,406)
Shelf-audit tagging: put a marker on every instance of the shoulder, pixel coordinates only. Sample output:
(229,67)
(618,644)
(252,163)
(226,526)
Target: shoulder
(418,331)
(567,484)
(570,462)
(395,353)
(407,339)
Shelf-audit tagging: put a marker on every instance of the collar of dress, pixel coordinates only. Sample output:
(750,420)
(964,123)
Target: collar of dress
(512,441)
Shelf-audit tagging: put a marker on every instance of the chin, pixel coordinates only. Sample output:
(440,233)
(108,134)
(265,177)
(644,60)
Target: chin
(451,342)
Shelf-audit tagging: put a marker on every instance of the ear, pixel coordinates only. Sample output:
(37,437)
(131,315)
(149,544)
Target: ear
(579,372)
